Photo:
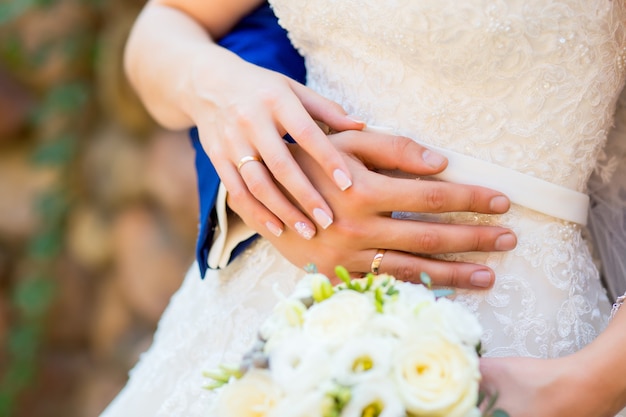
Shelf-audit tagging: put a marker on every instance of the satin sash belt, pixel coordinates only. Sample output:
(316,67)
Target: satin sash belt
(525,190)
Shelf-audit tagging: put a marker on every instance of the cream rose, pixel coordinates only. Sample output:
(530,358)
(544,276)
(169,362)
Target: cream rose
(338,318)
(437,378)
(311,404)
(254,395)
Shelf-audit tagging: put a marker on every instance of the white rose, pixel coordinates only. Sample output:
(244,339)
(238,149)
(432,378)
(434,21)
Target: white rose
(304,287)
(454,320)
(299,364)
(409,302)
(436,377)
(338,318)
(362,359)
(254,395)
(287,314)
(387,325)
(377,397)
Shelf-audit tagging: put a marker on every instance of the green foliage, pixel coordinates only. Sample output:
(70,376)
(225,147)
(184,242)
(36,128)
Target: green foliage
(13,9)
(57,122)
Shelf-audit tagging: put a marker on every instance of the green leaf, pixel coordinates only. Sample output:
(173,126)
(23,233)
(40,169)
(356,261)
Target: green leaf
(46,245)
(14,9)
(52,205)
(499,413)
(442,292)
(22,341)
(391,291)
(343,274)
(370,281)
(34,296)
(57,152)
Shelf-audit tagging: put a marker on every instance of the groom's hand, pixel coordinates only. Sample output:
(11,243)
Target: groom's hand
(362,215)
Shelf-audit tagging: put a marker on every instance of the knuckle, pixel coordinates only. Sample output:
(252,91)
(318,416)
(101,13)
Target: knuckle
(236,199)
(435,199)
(401,145)
(348,230)
(451,279)
(257,186)
(269,96)
(478,242)
(361,194)
(279,165)
(305,132)
(473,199)
(428,242)
(241,116)
(405,271)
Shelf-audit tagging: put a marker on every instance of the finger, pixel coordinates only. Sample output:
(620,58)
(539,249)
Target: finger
(295,119)
(327,111)
(438,238)
(391,152)
(249,207)
(384,193)
(409,267)
(259,138)
(286,171)
(386,152)
(262,187)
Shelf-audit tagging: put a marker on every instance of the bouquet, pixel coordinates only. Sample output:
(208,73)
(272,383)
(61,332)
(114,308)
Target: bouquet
(369,347)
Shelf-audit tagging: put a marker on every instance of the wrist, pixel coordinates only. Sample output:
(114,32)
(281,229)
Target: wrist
(593,380)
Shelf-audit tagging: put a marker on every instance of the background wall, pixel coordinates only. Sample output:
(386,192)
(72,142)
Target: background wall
(97,208)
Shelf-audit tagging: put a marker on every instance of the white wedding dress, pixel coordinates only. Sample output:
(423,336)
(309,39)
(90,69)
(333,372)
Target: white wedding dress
(530,85)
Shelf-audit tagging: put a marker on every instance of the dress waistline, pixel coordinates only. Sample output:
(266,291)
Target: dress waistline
(523,189)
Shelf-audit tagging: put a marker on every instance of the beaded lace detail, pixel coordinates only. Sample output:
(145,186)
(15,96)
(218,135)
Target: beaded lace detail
(530,85)
(527,84)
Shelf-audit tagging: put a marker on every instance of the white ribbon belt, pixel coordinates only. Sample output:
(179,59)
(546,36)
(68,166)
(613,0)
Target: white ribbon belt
(525,190)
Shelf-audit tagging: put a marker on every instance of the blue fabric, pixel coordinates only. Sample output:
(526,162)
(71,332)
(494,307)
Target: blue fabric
(258,39)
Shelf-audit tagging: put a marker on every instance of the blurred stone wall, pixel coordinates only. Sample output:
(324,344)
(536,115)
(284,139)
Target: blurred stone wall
(98,209)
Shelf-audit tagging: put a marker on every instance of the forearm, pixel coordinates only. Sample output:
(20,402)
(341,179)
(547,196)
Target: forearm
(602,367)
(161,54)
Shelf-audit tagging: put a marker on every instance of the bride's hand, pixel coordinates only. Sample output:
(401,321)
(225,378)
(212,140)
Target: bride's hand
(242,112)
(363,222)
(587,383)
(530,387)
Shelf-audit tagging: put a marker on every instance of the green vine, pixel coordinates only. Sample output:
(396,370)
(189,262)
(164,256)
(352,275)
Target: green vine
(57,123)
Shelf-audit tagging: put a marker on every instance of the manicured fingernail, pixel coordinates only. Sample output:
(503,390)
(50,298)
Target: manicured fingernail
(305,230)
(499,204)
(274,229)
(433,159)
(342,180)
(481,279)
(322,218)
(355,119)
(506,241)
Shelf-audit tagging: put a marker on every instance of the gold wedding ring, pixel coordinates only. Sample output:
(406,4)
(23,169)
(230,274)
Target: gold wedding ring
(378,258)
(247,159)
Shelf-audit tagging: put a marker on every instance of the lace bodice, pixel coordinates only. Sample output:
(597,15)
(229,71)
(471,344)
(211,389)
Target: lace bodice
(529,85)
